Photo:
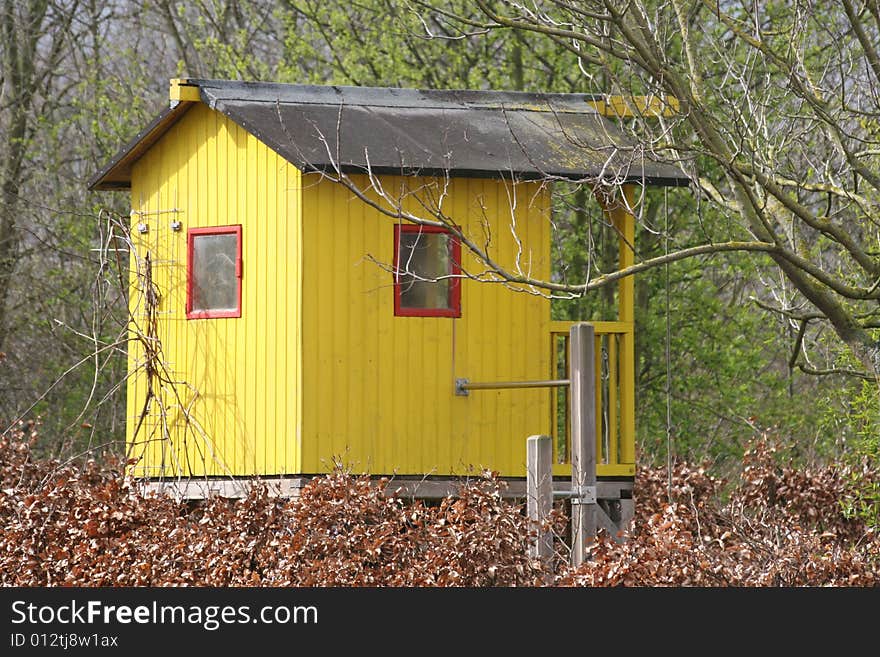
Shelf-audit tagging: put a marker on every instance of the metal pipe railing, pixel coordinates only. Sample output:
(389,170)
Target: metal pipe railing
(462,386)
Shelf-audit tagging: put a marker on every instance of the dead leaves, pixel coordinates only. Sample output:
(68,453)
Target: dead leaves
(87,526)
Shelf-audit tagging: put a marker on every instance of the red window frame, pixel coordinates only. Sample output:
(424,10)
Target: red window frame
(454,303)
(191,234)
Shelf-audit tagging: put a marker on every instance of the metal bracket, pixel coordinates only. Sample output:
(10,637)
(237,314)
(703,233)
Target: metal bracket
(460,389)
(586,495)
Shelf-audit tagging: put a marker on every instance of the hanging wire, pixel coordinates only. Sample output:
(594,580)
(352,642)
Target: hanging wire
(668,359)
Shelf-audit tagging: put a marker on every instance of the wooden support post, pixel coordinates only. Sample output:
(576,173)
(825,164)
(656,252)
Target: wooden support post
(625,222)
(539,493)
(583,439)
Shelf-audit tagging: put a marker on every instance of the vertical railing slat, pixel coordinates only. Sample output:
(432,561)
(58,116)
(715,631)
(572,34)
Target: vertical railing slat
(600,390)
(610,456)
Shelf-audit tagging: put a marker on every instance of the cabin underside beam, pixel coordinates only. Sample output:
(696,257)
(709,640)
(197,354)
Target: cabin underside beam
(412,487)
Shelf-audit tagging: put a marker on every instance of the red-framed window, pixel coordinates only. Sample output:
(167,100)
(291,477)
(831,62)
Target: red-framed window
(213,272)
(427,269)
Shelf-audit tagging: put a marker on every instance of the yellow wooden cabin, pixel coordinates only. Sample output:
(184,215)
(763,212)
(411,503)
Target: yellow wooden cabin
(286,314)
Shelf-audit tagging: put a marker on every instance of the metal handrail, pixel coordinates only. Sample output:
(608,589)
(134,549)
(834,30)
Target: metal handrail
(463,385)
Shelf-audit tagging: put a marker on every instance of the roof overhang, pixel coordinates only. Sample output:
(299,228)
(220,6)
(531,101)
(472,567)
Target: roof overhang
(116,174)
(461,133)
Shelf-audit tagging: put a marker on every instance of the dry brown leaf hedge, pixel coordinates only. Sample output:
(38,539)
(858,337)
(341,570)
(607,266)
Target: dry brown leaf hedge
(88,525)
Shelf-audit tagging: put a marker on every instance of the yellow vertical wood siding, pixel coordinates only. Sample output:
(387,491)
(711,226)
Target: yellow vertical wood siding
(227,392)
(317,367)
(378,390)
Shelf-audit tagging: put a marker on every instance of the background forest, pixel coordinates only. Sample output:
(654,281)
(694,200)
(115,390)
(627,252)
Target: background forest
(769,324)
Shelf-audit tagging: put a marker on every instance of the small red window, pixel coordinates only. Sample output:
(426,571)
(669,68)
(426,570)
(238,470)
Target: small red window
(213,279)
(427,269)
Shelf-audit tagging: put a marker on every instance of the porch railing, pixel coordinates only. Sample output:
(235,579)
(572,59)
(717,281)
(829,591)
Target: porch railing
(615,398)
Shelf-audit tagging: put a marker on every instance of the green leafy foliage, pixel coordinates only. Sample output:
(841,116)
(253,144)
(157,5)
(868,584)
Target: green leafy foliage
(852,414)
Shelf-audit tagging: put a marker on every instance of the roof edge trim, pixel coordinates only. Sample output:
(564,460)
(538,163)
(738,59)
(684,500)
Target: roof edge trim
(116,174)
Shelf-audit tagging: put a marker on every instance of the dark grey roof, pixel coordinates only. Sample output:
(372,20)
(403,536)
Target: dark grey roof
(429,132)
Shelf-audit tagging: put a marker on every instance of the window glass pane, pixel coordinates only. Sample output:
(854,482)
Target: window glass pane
(214,284)
(425,256)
